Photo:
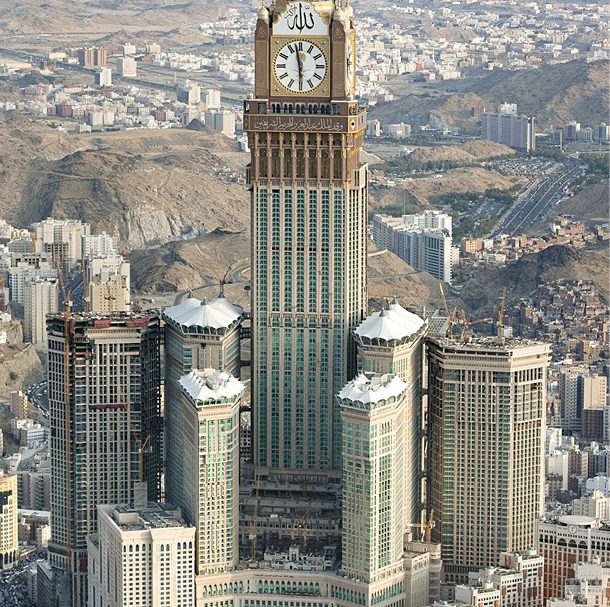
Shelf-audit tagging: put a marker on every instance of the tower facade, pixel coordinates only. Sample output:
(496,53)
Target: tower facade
(199,334)
(9,540)
(392,341)
(373,416)
(104,405)
(308,199)
(208,413)
(487,407)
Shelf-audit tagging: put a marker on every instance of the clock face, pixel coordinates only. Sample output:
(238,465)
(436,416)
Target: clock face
(300,66)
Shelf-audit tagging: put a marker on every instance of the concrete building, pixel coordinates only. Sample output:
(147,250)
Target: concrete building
(222,121)
(108,281)
(212,99)
(509,129)
(486,404)
(483,595)
(128,49)
(61,238)
(103,77)
(19,404)
(142,556)
(398,130)
(127,67)
(104,394)
(9,538)
(93,56)
(99,245)
(32,435)
(392,341)
(188,92)
(41,297)
(579,390)
(518,577)
(19,275)
(423,240)
(595,505)
(590,586)
(566,541)
(208,485)
(34,490)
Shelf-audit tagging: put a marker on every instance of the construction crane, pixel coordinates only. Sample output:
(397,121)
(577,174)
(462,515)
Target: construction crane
(451,316)
(68,331)
(426,527)
(501,313)
(253,529)
(142,446)
(468,324)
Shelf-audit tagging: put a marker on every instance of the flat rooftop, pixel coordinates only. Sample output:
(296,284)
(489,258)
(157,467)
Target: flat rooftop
(153,516)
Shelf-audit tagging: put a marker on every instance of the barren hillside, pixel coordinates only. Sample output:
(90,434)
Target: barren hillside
(554,94)
(151,188)
(521,278)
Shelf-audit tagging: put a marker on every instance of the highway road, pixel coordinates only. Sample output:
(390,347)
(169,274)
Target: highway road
(538,201)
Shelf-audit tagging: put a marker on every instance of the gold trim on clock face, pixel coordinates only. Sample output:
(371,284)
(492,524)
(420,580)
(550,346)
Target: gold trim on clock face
(300,67)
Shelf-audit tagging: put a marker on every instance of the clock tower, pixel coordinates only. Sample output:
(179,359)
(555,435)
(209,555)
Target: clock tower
(309,236)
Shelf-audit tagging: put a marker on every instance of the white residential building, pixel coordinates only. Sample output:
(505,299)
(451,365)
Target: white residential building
(127,67)
(423,240)
(62,239)
(41,297)
(99,245)
(103,77)
(141,556)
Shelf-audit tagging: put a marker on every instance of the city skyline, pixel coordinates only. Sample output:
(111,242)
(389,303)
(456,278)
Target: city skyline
(318,292)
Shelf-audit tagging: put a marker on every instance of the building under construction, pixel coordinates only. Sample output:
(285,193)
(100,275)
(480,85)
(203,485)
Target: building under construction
(104,401)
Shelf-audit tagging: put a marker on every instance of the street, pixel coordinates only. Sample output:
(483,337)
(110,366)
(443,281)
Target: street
(536,203)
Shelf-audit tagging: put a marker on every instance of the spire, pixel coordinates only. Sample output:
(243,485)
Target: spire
(263,12)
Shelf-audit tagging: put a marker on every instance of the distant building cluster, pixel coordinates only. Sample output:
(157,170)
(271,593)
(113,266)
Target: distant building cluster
(507,127)
(423,240)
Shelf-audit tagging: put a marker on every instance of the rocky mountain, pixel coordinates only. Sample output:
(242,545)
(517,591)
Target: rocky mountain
(523,277)
(589,205)
(150,188)
(555,94)
(418,194)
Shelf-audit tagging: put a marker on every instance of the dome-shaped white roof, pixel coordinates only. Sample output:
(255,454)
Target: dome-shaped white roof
(217,314)
(370,388)
(211,384)
(395,323)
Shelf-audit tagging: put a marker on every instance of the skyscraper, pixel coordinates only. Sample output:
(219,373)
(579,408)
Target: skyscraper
(199,334)
(208,486)
(309,236)
(487,410)
(373,416)
(9,539)
(392,341)
(104,404)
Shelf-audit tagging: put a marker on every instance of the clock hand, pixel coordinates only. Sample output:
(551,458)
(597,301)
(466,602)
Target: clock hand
(300,62)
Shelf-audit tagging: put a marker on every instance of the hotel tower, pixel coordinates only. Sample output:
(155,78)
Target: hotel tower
(309,200)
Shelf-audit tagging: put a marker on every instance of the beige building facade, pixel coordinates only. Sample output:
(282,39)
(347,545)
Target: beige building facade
(141,557)
(487,410)
(9,536)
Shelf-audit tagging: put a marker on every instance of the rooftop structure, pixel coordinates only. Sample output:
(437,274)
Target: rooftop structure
(142,556)
(194,315)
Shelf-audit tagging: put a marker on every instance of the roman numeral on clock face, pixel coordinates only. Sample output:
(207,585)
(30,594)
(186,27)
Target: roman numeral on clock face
(300,66)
